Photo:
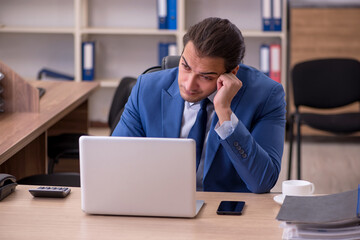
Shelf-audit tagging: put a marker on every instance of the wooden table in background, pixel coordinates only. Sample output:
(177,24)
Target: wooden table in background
(26,217)
(23,139)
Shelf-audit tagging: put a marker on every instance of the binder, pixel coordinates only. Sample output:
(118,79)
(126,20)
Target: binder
(163,51)
(88,60)
(276,15)
(166,49)
(265,59)
(275,62)
(171,6)
(46,73)
(172,49)
(334,210)
(162,13)
(266,14)
(333,216)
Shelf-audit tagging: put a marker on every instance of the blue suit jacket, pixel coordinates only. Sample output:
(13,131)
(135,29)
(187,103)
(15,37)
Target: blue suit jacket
(249,159)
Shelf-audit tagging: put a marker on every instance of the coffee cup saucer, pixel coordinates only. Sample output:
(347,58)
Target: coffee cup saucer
(279,199)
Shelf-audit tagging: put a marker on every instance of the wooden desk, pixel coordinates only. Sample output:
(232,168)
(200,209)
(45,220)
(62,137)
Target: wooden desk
(26,217)
(23,134)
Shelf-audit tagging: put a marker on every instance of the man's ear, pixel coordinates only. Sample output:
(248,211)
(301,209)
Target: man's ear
(235,70)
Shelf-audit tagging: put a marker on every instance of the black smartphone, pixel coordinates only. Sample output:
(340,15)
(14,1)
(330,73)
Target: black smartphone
(230,207)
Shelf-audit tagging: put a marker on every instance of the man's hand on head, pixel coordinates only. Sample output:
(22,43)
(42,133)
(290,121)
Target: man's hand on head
(227,87)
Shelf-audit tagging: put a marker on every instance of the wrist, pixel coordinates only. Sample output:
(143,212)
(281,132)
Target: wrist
(224,115)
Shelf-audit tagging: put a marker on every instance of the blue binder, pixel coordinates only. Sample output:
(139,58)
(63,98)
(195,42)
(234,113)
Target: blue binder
(266,14)
(163,51)
(171,6)
(162,14)
(88,61)
(276,15)
(45,72)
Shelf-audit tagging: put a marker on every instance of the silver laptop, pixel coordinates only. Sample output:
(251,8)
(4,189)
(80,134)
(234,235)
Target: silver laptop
(138,176)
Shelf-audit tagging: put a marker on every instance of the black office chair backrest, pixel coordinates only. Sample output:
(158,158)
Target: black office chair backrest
(170,62)
(120,98)
(123,91)
(166,63)
(326,83)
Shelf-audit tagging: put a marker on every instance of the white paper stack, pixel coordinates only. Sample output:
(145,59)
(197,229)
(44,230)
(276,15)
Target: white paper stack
(334,216)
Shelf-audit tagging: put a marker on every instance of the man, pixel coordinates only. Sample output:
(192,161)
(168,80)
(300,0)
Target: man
(245,121)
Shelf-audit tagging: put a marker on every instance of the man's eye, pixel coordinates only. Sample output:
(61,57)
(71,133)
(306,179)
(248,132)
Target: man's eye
(206,77)
(186,67)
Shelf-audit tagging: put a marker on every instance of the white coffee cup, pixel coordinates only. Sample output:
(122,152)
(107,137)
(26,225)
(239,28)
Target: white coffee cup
(297,188)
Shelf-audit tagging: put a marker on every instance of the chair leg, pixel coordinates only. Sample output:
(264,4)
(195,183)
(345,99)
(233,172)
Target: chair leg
(291,138)
(51,166)
(52,162)
(298,140)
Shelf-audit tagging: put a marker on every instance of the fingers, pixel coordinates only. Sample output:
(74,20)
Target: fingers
(219,83)
(227,85)
(229,80)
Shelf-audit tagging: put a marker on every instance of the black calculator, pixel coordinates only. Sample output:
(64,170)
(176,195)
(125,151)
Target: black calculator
(55,192)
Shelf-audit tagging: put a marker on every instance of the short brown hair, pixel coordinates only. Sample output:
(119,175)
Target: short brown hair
(216,37)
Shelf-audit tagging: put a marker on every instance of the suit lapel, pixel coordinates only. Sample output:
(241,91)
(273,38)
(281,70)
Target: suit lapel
(213,142)
(211,146)
(172,106)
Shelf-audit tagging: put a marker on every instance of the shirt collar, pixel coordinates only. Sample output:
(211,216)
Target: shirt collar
(210,97)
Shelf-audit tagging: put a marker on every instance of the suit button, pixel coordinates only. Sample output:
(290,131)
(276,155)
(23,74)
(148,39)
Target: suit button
(244,155)
(241,151)
(238,148)
(236,144)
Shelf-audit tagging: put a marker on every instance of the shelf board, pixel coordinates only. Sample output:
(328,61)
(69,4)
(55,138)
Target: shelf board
(108,83)
(56,30)
(122,31)
(260,33)
(140,31)
(128,31)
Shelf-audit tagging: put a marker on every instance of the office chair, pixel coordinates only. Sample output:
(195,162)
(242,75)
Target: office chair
(324,84)
(120,98)
(166,63)
(67,145)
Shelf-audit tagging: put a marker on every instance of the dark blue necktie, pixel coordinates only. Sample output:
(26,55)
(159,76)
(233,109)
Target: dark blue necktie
(198,130)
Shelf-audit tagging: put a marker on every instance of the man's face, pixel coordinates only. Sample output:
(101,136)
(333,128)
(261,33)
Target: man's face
(198,75)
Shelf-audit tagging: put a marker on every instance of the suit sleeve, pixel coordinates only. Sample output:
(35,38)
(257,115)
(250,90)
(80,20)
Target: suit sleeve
(256,153)
(130,124)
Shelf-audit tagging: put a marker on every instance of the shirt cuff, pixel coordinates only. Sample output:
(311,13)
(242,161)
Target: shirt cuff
(227,128)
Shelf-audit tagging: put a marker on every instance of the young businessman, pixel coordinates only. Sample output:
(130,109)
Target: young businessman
(245,121)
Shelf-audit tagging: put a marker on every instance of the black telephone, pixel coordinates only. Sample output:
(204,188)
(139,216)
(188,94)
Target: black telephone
(7,185)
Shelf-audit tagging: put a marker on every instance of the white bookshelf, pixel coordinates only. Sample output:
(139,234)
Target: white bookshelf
(48,33)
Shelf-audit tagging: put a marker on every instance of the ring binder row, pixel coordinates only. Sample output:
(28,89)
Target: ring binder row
(2,101)
(88,60)
(166,49)
(270,61)
(271,15)
(167,14)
